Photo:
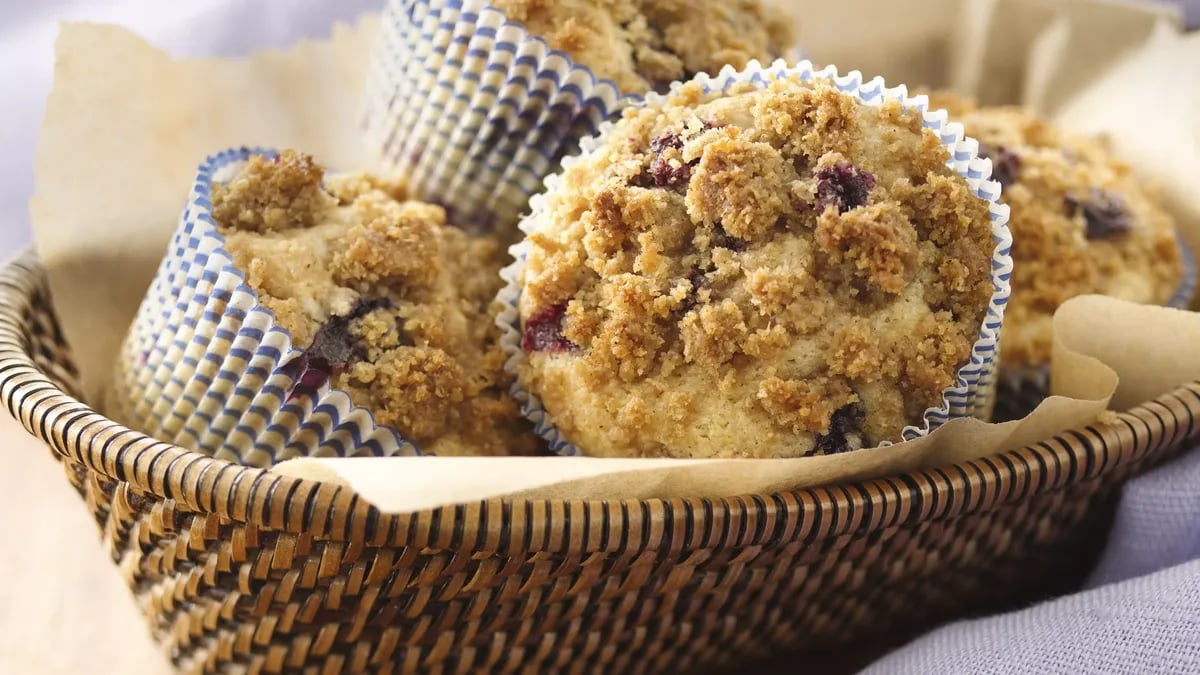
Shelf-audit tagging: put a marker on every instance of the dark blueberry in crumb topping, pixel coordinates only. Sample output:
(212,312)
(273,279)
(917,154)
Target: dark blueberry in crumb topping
(404,339)
(307,380)
(365,306)
(845,431)
(333,349)
(843,185)
(1104,213)
(544,331)
(661,143)
(722,239)
(663,172)
(1006,165)
(698,279)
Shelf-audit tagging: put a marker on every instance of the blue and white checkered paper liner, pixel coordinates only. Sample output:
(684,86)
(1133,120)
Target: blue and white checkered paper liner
(971,394)
(474,110)
(203,364)
(1022,388)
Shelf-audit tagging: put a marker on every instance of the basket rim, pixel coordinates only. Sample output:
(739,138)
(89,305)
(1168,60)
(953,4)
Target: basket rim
(295,506)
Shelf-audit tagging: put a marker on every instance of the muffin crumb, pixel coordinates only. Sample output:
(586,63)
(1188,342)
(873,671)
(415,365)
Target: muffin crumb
(382,297)
(645,45)
(1081,223)
(807,271)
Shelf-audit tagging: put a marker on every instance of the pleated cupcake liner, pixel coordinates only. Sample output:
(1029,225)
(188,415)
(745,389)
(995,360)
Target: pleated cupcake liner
(971,395)
(1020,389)
(474,110)
(206,366)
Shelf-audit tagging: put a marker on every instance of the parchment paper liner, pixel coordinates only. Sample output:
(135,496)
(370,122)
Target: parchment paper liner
(1019,389)
(970,396)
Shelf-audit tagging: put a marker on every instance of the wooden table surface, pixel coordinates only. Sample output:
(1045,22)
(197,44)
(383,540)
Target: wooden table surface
(64,609)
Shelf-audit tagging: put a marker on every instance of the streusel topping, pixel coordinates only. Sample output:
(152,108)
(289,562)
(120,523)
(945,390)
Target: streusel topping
(644,45)
(1081,223)
(769,272)
(388,302)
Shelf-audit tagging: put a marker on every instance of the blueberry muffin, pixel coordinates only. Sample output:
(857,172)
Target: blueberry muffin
(1081,224)
(645,45)
(770,272)
(388,302)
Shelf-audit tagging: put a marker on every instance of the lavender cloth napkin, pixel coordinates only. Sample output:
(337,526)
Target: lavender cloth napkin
(1138,613)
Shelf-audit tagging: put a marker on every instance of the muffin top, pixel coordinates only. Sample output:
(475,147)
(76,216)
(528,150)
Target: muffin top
(1081,223)
(388,302)
(644,45)
(775,271)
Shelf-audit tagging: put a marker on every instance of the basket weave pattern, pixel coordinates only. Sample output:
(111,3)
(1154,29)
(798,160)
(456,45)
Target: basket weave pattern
(241,570)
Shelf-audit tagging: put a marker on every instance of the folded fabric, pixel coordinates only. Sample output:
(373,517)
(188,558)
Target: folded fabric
(1139,612)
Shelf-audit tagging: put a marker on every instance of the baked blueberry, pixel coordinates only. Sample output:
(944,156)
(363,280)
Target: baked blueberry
(383,298)
(716,312)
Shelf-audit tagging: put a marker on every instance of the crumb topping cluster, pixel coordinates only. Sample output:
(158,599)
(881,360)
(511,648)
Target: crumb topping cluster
(387,301)
(645,45)
(1081,223)
(775,271)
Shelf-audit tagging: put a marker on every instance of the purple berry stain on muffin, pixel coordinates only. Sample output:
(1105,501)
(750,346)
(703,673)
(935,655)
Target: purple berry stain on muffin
(544,331)
(334,348)
(722,239)
(667,171)
(1006,164)
(843,185)
(1104,213)
(845,431)
(663,171)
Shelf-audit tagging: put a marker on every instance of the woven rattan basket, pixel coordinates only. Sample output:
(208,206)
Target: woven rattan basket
(241,570)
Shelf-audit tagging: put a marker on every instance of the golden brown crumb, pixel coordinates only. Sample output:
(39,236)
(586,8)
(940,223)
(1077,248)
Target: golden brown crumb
(271,195)
(804,405)
(644,45)
(713,334)
(877,242)
(1081,223)
(932,348)
(354,272)
(742,186)
(801,267)
(390,250)
(858,354)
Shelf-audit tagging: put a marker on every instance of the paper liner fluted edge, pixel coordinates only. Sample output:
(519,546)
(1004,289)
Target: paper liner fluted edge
(203,365)
(974,387)
(473,109)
